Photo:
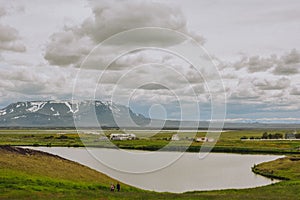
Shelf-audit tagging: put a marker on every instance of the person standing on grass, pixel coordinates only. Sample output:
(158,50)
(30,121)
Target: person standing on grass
(118,187)
(112,187)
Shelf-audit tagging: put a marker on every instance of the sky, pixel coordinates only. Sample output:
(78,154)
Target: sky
(56,50)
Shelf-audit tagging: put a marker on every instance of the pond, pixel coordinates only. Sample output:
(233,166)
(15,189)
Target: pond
(185,173)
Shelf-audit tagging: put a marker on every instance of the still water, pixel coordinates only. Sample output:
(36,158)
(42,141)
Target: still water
(186,173)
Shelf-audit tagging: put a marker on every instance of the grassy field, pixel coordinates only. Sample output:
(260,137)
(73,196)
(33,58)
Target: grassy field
(27,174)
(228,142)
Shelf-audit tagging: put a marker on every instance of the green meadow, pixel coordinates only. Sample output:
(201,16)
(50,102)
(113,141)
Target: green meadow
(28,174)
(229,141)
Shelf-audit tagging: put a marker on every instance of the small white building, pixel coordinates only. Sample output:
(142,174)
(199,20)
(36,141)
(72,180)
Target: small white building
(204,139)
(122,136)
(175,137)
(201,139)
(290,136)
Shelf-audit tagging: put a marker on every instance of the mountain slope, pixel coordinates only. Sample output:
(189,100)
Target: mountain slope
(68,113)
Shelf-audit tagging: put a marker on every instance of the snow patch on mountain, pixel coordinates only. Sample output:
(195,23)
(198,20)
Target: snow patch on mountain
(36,106)
(17,117)
(70,107)
(3,112)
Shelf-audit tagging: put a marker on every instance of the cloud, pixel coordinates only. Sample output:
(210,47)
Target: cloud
(292,57)
(257,90)
(35,80)
(112,17)
(9,36)
(255,63)
(272,80)
(69,46)
(153,86)
(244,90)
(264,84)
(295,90)
(2,11)
(286,69)
(287,64)
(66,47)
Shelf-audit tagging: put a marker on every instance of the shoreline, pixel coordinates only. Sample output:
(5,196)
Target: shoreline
(216,149)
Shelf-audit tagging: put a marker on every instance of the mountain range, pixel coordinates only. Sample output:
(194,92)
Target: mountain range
(87,113)
(95,113)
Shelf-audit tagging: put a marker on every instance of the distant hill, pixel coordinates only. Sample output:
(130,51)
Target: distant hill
(94,113)
(67,114)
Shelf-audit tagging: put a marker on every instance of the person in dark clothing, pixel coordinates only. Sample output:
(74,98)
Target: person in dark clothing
(118,187)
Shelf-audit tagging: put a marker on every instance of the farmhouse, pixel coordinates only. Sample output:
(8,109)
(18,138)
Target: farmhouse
(204,139)
(119,136)
(175,137)
(201,139)
(290,136)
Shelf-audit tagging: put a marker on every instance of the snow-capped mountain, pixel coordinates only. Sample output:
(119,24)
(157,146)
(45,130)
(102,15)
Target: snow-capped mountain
(69,113)
(92,113)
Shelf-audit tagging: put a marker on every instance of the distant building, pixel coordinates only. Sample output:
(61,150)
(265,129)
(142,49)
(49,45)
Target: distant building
(201,139)
(290,136)
(119,136)
(175,137)
(204,139)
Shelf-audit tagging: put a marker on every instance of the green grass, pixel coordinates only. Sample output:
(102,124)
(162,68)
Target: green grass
(287,168)
(41,176)
(35,175)
(228,141)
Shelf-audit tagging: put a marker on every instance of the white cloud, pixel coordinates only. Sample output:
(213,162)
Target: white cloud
(9,36)
(292,57)
(287,64)
(66,48)
(110,17)
(36,80)
(295,90)
(265,84)
(288,69)
(2,11)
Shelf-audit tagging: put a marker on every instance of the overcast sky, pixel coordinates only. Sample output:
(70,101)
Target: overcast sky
(254,44)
